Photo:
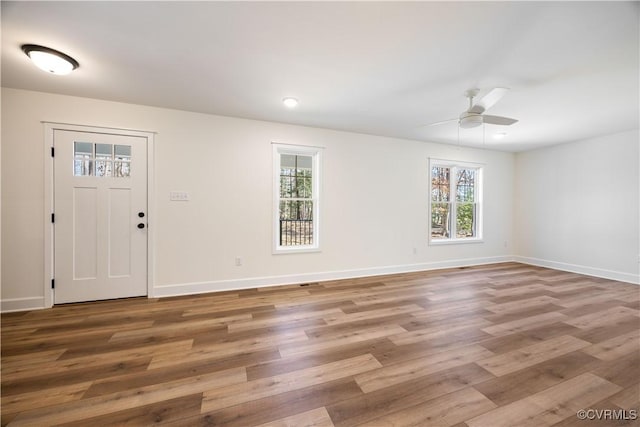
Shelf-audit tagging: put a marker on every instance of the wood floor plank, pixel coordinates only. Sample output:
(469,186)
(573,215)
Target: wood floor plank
(628,399)
(615,347)
(623,371)
(94,373)
(11,363)
(524,313)
(606,332)
(426,334)
(276,366)
(459,338)
(400,372)
(443,411)
(143,378)
(531,355)
(278,406)
(44,336)
(36,399)
(520,384)
(359,335)
(226,349)
(520,291)
(604,317)
(361,410)
(341,318)
(96,360)
(160,413)
(520,325)
(129,399)
(313,418)
(259,323)
(224,397)
(525,303)
(177,329)
(549,406)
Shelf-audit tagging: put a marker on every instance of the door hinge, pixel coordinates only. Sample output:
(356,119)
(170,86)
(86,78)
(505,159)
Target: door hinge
(53,152)
(53,283)
(53,218)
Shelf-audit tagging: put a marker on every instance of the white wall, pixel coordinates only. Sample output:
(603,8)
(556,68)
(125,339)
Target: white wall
(577,206)
(374,199)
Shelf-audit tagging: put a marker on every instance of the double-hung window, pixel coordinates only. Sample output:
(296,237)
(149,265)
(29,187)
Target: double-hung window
(296,198)
(455,202)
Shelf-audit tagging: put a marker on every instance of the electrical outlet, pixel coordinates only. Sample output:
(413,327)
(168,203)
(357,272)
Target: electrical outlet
(238,261)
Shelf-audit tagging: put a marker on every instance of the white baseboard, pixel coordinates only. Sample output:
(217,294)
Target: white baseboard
(259,282)
(581,269)
(22,304)
(36,303)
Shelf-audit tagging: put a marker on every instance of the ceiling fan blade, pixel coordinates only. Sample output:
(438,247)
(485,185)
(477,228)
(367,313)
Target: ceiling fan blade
(488,100)
(442,122)
(497,120)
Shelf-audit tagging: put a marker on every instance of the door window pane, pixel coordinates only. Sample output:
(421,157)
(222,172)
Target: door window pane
(104,151)
(123,152)
(121,169)
(83,149)
(103,168)
(101,160)
(122,162)
(83,158)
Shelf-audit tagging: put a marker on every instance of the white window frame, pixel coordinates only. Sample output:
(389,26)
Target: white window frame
(316,154)
(453,166)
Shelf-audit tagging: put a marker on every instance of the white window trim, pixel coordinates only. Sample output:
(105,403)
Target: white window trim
(316,153)
(478,197)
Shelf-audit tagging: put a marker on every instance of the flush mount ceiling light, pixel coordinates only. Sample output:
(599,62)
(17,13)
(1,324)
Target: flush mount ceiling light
(50,60)
(499,135)
(290,102)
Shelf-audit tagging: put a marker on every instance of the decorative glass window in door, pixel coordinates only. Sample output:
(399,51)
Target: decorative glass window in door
(102,160)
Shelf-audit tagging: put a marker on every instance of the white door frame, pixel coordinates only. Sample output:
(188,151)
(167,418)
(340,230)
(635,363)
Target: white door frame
(49,128)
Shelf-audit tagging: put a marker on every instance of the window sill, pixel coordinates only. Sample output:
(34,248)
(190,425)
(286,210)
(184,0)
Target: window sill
(454,241)
(300,250)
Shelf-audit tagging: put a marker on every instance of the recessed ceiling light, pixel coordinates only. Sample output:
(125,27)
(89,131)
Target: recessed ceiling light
(290,102)
(499,135)
(50,60)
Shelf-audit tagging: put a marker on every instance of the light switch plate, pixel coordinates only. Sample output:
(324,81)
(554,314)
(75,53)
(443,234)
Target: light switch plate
(179,196)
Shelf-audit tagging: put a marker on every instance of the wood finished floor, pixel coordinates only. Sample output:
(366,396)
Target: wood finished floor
(497,345)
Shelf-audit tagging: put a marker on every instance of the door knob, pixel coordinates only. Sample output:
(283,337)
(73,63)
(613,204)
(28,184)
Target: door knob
(141,225)
(141,214)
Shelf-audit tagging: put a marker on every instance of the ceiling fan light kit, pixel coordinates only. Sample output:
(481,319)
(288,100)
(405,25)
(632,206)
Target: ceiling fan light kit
(470,121)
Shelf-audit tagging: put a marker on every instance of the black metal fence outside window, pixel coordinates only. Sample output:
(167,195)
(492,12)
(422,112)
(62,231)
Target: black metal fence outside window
(295,232)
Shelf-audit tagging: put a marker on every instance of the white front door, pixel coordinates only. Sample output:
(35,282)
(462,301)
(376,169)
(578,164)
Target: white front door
(100,223)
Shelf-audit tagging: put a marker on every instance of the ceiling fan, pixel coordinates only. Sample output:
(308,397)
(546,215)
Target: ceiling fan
(474,116)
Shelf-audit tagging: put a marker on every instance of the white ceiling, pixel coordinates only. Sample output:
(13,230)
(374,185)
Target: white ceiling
(380,68)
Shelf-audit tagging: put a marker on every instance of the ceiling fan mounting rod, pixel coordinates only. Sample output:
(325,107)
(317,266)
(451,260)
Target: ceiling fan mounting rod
(471,93)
